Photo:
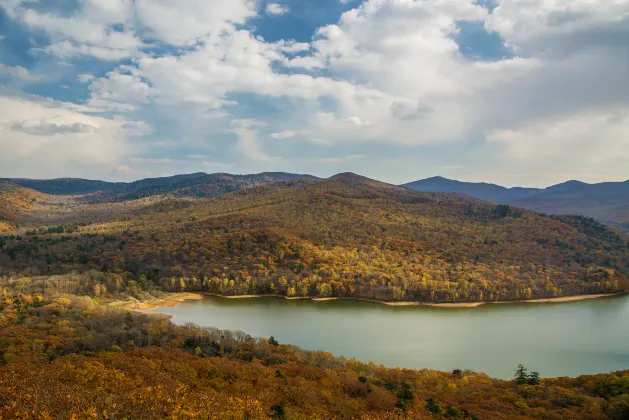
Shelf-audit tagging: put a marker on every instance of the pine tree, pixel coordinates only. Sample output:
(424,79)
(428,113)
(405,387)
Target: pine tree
(521,375)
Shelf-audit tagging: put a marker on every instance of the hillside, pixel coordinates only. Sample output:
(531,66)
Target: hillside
(347,236)
(607,202)
(63,186)
(188,185)
(67,355)
(15,202)
(480,190)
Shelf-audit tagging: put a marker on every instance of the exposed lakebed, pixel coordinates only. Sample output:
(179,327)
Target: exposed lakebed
(556,339)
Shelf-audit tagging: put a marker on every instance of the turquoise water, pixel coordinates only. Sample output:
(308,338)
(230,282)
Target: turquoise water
(563,339)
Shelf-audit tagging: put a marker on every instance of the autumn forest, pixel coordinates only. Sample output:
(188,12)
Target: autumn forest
(72,265)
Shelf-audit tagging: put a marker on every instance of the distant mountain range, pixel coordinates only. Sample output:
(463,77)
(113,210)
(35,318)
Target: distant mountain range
(199,185)
(607,202)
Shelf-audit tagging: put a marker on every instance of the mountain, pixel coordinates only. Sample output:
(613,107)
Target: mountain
(346,236)
(63,186)
(188,185)
(607,202)
(15,202)
(484,191)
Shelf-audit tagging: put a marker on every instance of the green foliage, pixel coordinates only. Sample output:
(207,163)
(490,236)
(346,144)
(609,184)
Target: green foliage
(522,377)
(451,413)
(432,406)
(277,412)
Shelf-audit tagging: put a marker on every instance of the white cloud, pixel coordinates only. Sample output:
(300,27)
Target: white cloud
(578,136)
(357,121)
(292,46)
(389,71)
(85,78)
(276,9)
(533,26)
(183,22)
(159,161)
(83,34)
(286,134)
(215,164)
(338,160)
(248,144)
(18,71)
(56,138)
(120,90)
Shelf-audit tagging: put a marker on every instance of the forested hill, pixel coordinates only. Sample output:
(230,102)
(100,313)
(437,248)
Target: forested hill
(66,355)
(347,236)
(188,185)
(15,201)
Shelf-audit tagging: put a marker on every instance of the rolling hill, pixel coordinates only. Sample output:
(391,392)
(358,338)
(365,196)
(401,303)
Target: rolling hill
(346,236)
(63,186)
(188,185)
(607,202)
(15,202)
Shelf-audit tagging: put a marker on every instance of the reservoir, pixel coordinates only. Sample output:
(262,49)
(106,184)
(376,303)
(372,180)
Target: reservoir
(554,339)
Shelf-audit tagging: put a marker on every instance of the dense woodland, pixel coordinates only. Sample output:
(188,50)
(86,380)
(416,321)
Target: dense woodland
(343,237)
(69,356)
(69,349)
(14,202)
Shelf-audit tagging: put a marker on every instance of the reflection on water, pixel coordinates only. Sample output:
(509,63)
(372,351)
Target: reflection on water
(565,339)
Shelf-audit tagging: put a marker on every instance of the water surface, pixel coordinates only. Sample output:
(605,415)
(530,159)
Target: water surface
(562,339)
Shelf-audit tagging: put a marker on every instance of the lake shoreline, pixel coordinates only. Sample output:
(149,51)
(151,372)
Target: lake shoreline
(165,302)
(178,298)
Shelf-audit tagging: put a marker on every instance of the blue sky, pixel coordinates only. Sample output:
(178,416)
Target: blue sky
(516,92)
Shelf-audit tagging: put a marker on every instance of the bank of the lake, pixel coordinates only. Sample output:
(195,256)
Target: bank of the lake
(176,298)
(556,339)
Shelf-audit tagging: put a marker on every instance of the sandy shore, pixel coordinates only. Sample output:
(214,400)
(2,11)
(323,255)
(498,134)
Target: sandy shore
(180,297)
(166,302)
(563,299)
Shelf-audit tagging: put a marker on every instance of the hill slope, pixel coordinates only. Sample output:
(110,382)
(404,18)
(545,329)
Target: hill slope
(607,202)
(15,201)
(110,363)
(63,186)
(187,185)
(347,236)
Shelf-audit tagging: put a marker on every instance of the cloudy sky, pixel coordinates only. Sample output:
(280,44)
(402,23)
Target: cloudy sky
(516,92)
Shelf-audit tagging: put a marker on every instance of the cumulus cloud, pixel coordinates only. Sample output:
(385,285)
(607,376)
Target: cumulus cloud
(182,22)
(388,71)
(409,111)
(56,138)
(581,135)
(51,127)
(18,71)
(276,9)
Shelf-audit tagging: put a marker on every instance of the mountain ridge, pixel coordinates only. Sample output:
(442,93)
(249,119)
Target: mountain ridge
(346,236)
(606,201)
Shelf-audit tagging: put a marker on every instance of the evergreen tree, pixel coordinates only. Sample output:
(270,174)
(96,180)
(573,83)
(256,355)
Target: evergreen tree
(521,375)
(533,378)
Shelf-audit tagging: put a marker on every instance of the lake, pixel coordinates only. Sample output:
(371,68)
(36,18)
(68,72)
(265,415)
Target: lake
(555,339)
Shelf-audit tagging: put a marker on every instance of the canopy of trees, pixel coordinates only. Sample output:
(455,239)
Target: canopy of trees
(344,237)
(68,356)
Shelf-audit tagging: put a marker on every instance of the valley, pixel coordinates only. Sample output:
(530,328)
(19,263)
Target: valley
(77,264)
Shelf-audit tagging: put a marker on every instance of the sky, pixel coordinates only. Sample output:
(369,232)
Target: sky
(514,92)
